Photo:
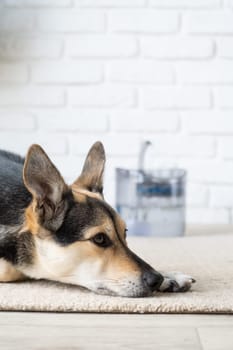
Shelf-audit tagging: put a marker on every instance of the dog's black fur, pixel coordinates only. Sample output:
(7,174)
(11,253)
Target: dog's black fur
(14,197)
(70,217)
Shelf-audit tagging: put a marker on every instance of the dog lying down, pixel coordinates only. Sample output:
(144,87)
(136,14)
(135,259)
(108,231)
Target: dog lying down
(49,230)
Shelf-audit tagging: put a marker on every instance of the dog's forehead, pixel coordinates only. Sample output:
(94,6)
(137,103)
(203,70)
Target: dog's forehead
(88,217)
(109,220)
(105,209)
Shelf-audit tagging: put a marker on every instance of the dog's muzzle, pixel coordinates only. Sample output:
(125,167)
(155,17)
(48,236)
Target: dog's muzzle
(152,280)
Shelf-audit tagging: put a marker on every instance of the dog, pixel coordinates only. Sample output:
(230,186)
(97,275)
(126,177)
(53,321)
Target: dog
(69,234)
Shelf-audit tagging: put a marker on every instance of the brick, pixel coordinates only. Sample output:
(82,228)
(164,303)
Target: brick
(177,48)
(102,96)
(223,97)
(219,72)
(131,121)
(69,72)
(143,21)
(16,21)
(114,145)
(25,96)
(225,145)
(119,161)
(17,142)
(70,166)
(71,21)
(197,195)
(33,47)
(169,145)
(225,47)
(52,143)
(177,98)
(207,215)
(140,72)
(208,122)
(219,22)
(102,46)
(37,3)
(13,73)
(17,121)
(72,121)
(211,172)
(109,193)
(160,160)
(185,4)
(110,3)
(221,196)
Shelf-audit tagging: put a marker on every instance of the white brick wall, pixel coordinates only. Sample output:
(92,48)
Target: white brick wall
(123,71)
(101,46)
(54,73)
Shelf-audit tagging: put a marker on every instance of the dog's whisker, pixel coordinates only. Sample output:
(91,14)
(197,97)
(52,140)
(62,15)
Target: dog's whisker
(50,230)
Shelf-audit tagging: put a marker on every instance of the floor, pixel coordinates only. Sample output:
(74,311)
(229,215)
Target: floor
(54,331)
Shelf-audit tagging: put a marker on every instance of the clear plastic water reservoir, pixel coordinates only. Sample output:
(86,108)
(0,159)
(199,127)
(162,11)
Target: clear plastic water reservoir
(153,202)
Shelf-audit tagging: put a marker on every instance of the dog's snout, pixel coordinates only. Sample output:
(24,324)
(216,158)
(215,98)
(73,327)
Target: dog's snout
(152,279)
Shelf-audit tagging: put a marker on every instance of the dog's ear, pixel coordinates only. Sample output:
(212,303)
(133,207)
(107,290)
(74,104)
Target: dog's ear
(46,185)
(91,178)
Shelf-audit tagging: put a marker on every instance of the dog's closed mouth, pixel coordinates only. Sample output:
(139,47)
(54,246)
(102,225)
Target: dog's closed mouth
(106,291)
(132,294)
(69,233)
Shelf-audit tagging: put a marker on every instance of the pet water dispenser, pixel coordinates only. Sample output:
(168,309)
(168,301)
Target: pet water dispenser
(152,202)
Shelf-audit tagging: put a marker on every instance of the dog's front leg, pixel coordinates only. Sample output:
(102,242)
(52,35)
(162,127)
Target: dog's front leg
(8,272)
(176,282)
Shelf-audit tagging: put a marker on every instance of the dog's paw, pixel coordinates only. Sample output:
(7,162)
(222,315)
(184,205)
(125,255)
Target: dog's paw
(176,282)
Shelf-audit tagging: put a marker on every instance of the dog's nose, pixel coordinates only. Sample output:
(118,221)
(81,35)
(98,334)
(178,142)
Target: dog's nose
(152,279)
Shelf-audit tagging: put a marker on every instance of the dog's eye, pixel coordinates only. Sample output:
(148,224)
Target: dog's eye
(101,240)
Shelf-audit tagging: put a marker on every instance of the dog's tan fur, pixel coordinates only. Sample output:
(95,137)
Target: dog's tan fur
(113,269)
(70,264)
(8,273)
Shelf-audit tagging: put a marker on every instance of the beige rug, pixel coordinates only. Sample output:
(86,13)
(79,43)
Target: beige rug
(209,259)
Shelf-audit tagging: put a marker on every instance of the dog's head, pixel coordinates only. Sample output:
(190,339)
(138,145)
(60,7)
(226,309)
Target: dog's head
(78,238)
